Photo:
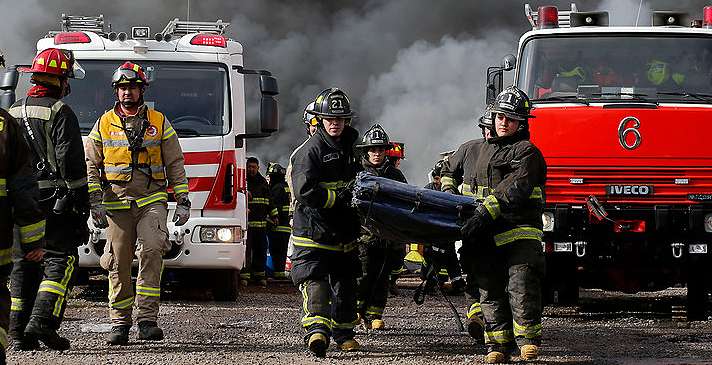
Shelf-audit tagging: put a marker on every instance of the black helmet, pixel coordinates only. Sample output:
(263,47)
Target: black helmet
(375,137)
(437,169)
(275,169)
(513,103)
(333,103)
(485,121)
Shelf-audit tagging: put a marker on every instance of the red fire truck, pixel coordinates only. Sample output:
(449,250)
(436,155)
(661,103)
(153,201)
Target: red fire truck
(196,78)
(622,118)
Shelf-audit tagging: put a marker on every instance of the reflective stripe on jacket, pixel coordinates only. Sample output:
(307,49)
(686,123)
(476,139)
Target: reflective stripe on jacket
(118,165)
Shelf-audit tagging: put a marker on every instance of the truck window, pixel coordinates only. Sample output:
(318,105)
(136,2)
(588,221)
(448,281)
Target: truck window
(194,97)
(617,67)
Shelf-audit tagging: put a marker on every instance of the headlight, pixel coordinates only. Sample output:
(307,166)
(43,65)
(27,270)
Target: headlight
(548,220)
(220,234)
(708,223)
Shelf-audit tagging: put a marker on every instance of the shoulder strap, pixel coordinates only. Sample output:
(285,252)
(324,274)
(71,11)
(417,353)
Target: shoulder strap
(42,165)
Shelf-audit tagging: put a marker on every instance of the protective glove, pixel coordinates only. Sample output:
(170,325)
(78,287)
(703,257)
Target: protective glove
(343,197)
(182,213)
(476,224)
(99,214)
(451,190)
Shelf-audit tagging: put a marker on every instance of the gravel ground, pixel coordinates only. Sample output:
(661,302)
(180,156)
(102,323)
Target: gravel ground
(261,327)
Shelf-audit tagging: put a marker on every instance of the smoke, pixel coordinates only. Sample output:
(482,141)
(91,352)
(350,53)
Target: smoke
(415,66)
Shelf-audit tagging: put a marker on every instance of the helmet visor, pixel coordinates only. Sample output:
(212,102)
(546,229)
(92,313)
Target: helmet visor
(77,71)
(125,76)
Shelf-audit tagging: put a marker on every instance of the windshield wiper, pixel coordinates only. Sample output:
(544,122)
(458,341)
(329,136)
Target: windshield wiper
(187,132)
(574,98)
(631,96)
(703,97)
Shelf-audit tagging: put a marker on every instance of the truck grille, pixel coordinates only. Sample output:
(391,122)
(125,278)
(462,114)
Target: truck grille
(559,188)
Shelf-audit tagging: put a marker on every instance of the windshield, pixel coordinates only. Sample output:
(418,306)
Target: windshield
(642,68)
(192,96)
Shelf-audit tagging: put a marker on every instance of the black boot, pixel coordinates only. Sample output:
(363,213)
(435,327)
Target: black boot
(148,330)
(39,329)
(119,335)
(18,322)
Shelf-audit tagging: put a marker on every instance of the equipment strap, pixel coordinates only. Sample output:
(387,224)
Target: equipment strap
(42,165)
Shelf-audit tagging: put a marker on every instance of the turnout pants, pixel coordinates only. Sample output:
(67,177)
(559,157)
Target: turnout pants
(327,281)
(378,261)
(278,242)
(509,278)
(41,289)
(472,291)
(141,231)
(255,254)
(4,306)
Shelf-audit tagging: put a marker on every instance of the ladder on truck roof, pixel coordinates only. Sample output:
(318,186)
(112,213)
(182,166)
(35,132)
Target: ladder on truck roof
(181,27)
(75,23)
(564,16)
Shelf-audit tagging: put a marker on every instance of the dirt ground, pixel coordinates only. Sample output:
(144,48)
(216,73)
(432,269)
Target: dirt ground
(262,327)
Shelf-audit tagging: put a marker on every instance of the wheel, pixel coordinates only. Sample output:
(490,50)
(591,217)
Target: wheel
(697,293)
(226,284)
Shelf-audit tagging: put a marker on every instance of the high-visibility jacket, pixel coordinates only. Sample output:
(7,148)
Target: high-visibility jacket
(281,198)
(56,129)
(19,194)
(143,185)
(321,169)
(513,171)
(459,169)
(260,203)
(119,162)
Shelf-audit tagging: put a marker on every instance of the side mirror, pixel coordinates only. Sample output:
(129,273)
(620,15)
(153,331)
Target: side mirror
(269,111)
(495,77)
(508,62)
(8,84)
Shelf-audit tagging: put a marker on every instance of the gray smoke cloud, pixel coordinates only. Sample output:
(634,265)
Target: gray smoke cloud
(415,66)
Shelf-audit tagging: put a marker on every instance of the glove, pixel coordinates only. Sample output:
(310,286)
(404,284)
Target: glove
(476,224)
(343,197)
(182,214)
(99,214)
(451,190)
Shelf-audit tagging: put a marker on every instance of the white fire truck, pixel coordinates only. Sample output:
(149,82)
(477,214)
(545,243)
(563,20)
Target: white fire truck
(197,80)
(622,118)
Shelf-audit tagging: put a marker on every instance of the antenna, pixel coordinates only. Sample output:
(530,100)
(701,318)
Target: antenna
(188,16)
(636,18)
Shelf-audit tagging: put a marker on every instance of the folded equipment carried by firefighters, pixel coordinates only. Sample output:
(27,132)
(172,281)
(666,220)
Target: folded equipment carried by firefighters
(405,213)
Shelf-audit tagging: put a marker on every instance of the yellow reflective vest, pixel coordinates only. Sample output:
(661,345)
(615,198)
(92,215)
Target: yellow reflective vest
(118,165)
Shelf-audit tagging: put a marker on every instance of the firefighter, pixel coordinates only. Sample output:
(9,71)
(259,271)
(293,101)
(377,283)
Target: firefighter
(325,261)
(21,207)
(508,266)
(378,256)
(40,289)
(440,261)
(459,170)
(133,156)
(279,234)
(260,210)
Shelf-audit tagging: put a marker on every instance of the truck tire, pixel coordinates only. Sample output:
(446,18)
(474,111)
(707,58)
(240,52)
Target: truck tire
(697,292)
(226,284)
(568,293)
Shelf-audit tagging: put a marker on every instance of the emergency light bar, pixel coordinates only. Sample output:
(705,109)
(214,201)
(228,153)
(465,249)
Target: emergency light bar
(553,17)
(71,37)
(707,17)
(209,40)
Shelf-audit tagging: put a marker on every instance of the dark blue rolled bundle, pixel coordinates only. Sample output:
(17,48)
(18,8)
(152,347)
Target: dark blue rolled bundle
(405,213)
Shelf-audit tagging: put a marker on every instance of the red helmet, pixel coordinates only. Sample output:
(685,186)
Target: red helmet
(129,73)
(55,61)
(398,150)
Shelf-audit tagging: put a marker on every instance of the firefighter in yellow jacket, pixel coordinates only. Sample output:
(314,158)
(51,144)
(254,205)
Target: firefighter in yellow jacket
(20,207)
(133,156)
